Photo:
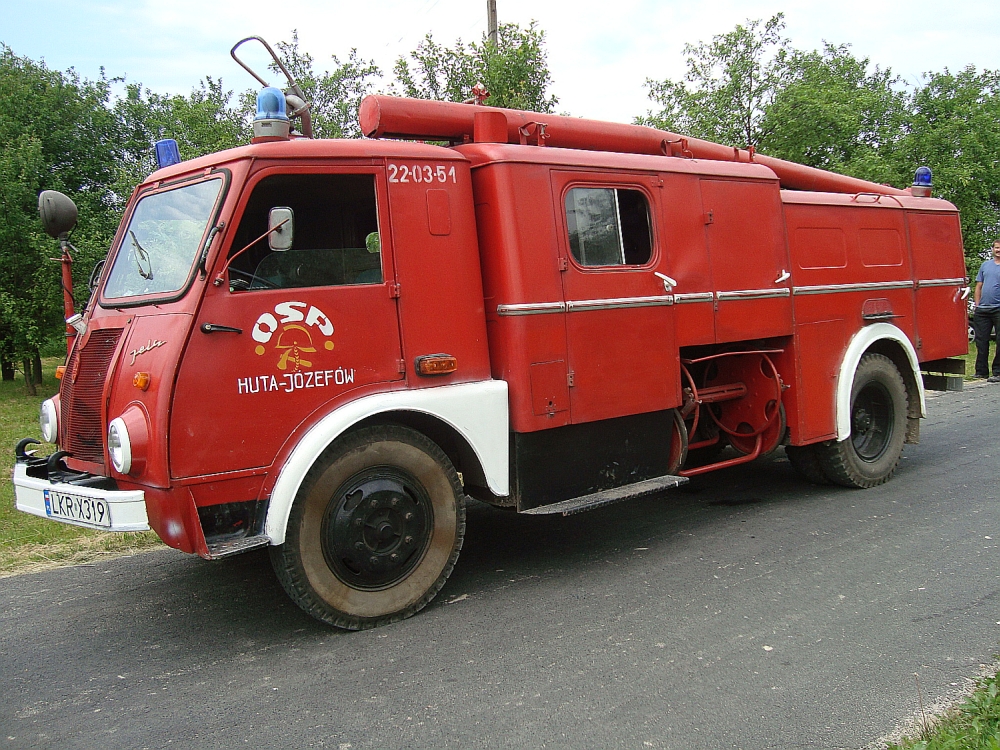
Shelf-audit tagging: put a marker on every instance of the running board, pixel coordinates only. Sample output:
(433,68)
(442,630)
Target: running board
(607,497)
(236,546)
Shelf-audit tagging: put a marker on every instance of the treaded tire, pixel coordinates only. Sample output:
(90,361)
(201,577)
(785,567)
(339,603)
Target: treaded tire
(805,460)
(878,427)
(347,521)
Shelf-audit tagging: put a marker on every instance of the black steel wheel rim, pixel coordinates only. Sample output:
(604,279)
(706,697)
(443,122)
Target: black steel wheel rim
(872,419)
(376,528)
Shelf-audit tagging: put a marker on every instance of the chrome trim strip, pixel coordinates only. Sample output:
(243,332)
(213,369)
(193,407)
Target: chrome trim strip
(619,303)
(542,308)
(939,282)
(683,299)
(531,308)
(874,286)
(755,293)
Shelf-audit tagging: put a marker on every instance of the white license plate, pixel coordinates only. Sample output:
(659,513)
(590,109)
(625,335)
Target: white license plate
(91,511)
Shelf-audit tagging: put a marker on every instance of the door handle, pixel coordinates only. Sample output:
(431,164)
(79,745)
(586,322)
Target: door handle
(216,328)
(668,283)
(784,276)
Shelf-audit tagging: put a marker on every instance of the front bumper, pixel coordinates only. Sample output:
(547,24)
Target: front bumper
(38,493)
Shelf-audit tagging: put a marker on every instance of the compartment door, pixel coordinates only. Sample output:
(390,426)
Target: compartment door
(619,319)
(750,268)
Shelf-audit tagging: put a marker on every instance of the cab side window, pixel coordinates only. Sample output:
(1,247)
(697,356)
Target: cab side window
(608,226)
(336,240)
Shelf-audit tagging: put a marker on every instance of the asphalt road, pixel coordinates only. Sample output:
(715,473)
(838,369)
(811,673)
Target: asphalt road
(747,610)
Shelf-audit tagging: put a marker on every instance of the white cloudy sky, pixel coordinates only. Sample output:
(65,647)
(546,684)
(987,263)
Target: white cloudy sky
(599,52)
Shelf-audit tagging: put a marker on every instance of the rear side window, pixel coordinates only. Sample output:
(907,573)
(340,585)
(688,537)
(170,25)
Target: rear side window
(608,226)
(336,238)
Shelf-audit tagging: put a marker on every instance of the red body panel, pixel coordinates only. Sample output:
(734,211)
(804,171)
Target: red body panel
(840,241)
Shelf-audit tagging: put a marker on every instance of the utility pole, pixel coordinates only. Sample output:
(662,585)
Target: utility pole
(491,14)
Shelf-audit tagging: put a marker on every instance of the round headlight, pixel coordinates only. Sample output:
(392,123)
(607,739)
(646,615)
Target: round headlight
(48,418)
(119,446)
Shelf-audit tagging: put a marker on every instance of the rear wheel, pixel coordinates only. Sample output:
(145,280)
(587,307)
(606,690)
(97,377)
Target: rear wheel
(878,427)
(805,460)
(375,530)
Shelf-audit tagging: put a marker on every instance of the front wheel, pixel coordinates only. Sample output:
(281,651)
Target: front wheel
(878,427)
(375,529)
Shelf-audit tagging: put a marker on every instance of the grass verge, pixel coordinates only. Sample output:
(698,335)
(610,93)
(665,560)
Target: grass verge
(974,724)
(28,542)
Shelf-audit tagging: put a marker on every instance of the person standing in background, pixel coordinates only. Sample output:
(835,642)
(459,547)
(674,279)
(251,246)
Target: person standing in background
(986,318)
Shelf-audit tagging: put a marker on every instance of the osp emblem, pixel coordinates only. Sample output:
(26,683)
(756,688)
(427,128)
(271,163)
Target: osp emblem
(295,326)
(294,332)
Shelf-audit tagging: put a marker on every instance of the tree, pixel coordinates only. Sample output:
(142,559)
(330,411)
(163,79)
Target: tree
(953,126)
(335,96)
(729,86)
(831,110)
(514,70)
(22,303)
(53,131)
(209,119)
(750,87)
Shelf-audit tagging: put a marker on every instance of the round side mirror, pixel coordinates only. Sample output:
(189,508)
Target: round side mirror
(57,212)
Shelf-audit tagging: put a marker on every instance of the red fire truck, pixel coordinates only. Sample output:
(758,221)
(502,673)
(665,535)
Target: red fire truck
(325,346)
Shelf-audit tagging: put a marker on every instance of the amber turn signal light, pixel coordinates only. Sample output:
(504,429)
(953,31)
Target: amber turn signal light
(60,371)
(436,364)
(141,380)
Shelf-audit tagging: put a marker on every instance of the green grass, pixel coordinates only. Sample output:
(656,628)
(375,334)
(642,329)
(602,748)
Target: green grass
(28,542)
(974,724)
(970,361)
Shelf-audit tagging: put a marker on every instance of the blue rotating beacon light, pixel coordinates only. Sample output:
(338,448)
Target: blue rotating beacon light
(271,121)
(921,187)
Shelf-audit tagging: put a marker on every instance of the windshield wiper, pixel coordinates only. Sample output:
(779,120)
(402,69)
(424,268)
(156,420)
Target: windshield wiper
(141,256)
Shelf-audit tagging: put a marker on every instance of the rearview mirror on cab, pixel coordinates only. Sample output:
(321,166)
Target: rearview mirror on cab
(280,224)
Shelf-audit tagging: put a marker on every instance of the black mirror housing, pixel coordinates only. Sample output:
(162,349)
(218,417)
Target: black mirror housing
(57,212)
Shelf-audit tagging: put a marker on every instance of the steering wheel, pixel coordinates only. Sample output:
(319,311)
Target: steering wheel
(242,280)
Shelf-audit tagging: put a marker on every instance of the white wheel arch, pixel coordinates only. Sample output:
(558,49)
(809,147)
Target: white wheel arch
(477,411)
(862,340)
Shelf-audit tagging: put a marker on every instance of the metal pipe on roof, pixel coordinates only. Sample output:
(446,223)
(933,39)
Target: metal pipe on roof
(395,117)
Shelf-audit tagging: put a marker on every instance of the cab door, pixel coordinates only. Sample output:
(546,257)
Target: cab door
(619,321)
(287,332)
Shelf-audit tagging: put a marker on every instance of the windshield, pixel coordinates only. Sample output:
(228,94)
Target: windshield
(162,241)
